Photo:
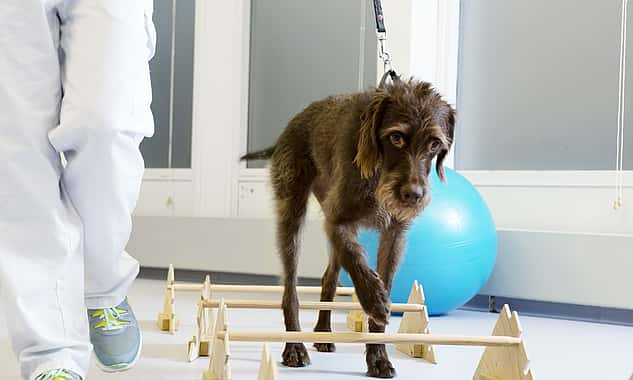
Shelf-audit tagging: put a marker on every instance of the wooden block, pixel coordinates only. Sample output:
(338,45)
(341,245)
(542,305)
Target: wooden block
(267,367)
(357,319)
(167,320)
(205,346)
(416,322)
(219,368)
(202,349)
(507,363)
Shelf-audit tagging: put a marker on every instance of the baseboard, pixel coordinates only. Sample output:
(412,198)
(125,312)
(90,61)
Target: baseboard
(555,310)
(229,278)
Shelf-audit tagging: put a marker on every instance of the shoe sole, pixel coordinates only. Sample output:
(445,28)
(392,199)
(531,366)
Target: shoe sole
(124,366)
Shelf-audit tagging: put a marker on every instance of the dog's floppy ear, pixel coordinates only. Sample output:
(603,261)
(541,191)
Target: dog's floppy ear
(448,128)
(368,149)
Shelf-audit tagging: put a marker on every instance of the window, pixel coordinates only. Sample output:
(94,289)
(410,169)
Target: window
(537,104)
(538,86)
(302,51)
(172,83)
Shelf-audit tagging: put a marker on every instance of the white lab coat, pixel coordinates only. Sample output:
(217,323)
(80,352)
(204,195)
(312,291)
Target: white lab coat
(74,79)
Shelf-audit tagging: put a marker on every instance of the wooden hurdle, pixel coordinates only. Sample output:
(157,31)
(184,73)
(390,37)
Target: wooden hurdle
(505,357)
(415,320)
(167,320)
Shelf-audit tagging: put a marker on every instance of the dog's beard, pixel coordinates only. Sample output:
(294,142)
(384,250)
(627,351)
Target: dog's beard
(392,205)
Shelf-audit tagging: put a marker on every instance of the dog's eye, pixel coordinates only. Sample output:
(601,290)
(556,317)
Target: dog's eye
(397,139)
(435,145)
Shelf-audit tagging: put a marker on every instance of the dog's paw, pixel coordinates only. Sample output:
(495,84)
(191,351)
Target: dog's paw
(381,369)
(295,355)
(378,364)
(325,347)
(376,303)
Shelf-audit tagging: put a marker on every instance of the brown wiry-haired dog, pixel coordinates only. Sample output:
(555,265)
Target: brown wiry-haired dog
(366,157)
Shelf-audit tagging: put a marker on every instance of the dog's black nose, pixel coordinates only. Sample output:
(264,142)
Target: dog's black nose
(411,194)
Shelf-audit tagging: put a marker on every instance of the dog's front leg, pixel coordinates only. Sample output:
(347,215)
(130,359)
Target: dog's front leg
(389,253)
(369,287)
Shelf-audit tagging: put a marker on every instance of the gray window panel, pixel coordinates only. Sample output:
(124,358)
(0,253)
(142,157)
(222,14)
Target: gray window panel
(628,147)
(183,84)
(370,48)
(628,116)
(302,51)
(628,157)
(156,149)
(538,85)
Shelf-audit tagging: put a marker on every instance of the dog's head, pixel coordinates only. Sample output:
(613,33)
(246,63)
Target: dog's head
(403,129)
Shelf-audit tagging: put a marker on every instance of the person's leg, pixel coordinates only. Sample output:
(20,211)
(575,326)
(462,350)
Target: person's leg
(41,263)
(105,113)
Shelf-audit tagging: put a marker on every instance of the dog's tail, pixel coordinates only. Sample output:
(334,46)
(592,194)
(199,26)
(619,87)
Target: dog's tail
(265,154)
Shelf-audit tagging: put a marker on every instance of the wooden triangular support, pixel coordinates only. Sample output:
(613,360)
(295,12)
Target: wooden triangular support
(167,320)
(356,319)
(219,368)
(268,366)
(505,363)
(206,289)
(416,322)
(199,344)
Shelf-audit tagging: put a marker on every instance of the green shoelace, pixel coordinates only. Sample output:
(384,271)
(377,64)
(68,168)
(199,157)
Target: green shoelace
(110,319)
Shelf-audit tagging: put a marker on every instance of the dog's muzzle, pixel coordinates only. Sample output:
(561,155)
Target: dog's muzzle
(411,195)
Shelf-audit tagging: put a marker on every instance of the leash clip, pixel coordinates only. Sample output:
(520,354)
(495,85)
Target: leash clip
(383,53)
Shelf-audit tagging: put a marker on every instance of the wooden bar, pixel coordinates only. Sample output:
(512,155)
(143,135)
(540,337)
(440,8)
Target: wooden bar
(374,338)
(185,287)
(265,304)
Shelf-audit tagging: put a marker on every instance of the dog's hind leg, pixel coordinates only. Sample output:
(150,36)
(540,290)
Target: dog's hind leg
(291,214)
(328,291)
(291,179)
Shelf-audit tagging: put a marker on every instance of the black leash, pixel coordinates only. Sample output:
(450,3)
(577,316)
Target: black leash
(380,18)
(381,32)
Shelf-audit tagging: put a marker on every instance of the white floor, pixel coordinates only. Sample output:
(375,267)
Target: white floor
(558,349)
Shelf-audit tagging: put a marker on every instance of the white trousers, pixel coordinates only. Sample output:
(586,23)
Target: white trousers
(74,79)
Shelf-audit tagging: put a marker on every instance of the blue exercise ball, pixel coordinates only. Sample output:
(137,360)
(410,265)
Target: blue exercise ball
(451,247)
